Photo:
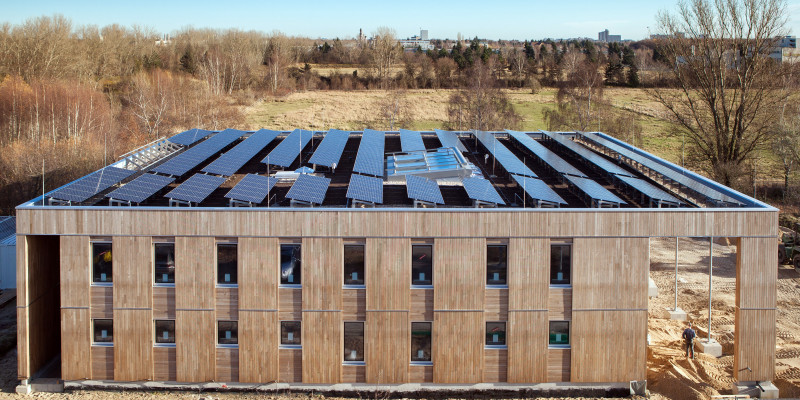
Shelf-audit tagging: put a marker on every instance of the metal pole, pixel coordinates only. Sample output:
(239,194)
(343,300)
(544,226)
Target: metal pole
(676,275)
(710,276)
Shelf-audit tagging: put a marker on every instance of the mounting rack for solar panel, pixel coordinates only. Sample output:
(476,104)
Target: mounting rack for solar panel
(149,154)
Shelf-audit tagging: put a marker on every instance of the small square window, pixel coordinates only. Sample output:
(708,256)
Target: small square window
(102,265)
(226,264)
(495,333)
(421,341)
(290,333)
(290,264)
(354,265)
(164,258)
(422,265)
(559,333)
(560,264)
(227,333)
(165,331)
(103,331)
(496,265)
(353,341)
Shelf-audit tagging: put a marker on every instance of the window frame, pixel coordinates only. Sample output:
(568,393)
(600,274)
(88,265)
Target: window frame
(155,333)
(281,345)
(433,267)
(280,270)
(163,284)
(227,345)
(363,343)
(569,335)
(91,262)
(217,246)
(94,328)
(550,281)
(363,267)
(411,350)
(496,285)
(505,335)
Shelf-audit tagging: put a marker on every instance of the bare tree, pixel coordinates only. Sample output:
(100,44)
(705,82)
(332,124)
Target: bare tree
(718,53)
(577,97)
(277,57)
(385,52)
(150,100)
(481,105)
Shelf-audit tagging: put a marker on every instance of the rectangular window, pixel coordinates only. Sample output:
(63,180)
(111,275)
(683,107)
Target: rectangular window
(422,265)
(103,331)
(560,264)
(421,340)
(164,258)
(495,334)
(354,265)
(101,262)
(226,263)
(559,333)
(227,333)
(290,264)
(165,332)
(496,265)
(354,341)
(290,333)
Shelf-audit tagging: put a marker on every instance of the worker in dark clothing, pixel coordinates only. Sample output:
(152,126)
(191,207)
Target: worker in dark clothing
(688,337)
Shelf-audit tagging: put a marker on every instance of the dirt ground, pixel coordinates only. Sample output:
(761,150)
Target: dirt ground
(670,374)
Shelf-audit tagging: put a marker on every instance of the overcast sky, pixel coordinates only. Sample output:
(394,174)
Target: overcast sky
(511,19)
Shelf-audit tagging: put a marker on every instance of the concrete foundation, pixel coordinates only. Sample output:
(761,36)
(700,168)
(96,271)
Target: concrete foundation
(710,347)
(764,390)
(676,314)
(24,387)
(652,289)
(47,385)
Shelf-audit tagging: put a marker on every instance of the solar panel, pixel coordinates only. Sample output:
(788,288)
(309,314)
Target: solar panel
(252,188)
(594,190)
(588,155)
(194,156)
(538,190)
(663,169)
(421,188)
(365,188)
(196,188)
(649,189)
(504,156)
(550,158)
(411,141)
(141,188)
(482,190)
(450,139)
(369,159)
(330,150)
(283,154)
(230,162)
(90,185)
(189,137)
(309,188)
(8,227)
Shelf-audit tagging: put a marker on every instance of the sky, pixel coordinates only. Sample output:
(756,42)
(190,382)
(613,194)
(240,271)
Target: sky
(510,19)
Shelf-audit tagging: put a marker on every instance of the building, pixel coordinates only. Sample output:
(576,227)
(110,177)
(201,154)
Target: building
(604,36)
(373,257)
(785,50)
(420,41)
(8,253)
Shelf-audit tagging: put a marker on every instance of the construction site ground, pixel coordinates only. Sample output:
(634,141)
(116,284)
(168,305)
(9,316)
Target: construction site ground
(670,375)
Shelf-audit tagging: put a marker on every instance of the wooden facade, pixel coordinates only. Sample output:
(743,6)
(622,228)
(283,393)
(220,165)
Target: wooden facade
(609,255)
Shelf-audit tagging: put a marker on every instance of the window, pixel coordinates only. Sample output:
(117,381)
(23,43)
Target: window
(421,340)
(422,265)
(290,264)
(354,265)
(101,262)
(164,262)
(559,333)
(165,332)
(353,341)
(226,264)
(228,333)
(496,265)
(495,334)
(560,264)
(103,332)
(290,333)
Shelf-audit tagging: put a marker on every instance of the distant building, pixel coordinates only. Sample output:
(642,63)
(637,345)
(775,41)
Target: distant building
(785,50)
(417,41)
(604,36)
(362,38)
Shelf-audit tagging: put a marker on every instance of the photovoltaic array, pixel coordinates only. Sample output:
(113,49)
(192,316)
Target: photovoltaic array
(196,188)
(330,150)
(547,156)
(450,139)
(284,154)
(421,188)
(309,188)
(538,190)
(369,159)
(230,162)
(90,185)
(588,155)
(649,189)
(411,141)
(482,190)
(504,156)
(141,188)
(594,190)
(194,156)
(252,188)
(365,188)
(189,137)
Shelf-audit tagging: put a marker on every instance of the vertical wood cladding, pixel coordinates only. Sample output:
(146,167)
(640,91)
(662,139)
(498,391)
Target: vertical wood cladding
(459,274)
(322,346)
(75,344)
(133,345)
(195,333)
(387,347)
(599,337)
(291,361)
(528,273)
(527,346)
(76,273)
(194,285)
(259,270)
(259,335)
(602,267)
(133,272)
(322,261)
(387,265)
(754,344)
(458,346)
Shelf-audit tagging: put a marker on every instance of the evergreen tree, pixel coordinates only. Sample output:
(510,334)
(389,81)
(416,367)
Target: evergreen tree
(187,61)
(633,76)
